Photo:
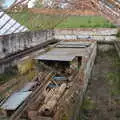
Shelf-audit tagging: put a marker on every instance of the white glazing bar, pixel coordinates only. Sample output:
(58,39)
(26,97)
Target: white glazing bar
(19,30)
(3,20)
(5,28)
(13,28)
(1,13)
(10,24)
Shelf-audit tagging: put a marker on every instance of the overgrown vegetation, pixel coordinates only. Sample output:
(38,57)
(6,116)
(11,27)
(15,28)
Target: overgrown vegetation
(8,74)
(86,22)
(114,78)
(42,21)
(37,21)
(13,80)
(104,88)
(88,105)
(25,66)
(114,81)
(64,117)
(38,4)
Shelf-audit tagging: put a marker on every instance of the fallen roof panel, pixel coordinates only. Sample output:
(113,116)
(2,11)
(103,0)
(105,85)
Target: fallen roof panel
(55,58)
(15,100)
(63,54)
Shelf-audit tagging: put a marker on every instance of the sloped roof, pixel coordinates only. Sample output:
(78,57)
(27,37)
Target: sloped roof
(9,25)
(10,3)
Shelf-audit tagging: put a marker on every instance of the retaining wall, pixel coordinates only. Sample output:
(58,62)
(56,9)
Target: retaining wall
(100,34)
(117,46)
(15,43)
(10,44)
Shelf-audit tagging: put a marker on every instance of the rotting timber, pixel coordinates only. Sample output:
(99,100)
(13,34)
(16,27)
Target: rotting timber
(59,88)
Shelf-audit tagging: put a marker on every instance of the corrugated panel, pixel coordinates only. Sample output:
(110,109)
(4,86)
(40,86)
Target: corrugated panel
(66,51)
(9,25)
(15,100)
(55,58)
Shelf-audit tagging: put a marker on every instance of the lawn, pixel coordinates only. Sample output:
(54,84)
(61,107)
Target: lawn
(41,21)
(37,21)
(85,22)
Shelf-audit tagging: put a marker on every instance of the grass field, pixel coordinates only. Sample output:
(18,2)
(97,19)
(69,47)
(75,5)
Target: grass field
(41,21)
(37,21)
(85,22)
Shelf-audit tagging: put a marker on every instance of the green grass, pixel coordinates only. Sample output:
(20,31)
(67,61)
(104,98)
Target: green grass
(113,78)
(88,105)
(86,22)
(41,21)
(37,21)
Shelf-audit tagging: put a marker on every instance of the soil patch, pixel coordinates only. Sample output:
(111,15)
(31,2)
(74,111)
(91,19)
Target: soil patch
(102,101)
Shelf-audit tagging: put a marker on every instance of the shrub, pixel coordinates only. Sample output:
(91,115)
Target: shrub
(25,66)
(118,34)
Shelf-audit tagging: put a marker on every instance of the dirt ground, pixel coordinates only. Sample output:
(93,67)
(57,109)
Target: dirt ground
(101,103)
(47,11)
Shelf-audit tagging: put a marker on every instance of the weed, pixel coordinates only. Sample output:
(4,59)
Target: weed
(114,82)
(88,105)
(8,74)
(118,33)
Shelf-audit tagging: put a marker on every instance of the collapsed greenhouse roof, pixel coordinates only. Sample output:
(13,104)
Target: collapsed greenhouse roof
(8,25)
